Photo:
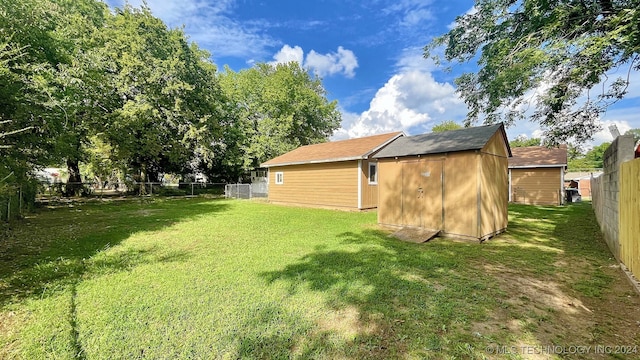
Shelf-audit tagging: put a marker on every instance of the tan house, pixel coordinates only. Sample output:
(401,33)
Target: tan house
(536,175)
(454,182)
(337,174)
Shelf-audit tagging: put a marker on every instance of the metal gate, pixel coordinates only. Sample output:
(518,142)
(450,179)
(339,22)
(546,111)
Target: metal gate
(246,191)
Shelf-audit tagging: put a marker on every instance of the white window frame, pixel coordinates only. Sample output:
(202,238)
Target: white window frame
(279,177)
(375,165)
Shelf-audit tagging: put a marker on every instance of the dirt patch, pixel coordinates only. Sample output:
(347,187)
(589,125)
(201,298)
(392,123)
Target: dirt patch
(346,323)
(8,326)
(147,212)
(543,316)
(347,333)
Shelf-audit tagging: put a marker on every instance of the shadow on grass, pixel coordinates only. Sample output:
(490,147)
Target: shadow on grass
(406,297)
(424,300)
(571,230)
(57,247)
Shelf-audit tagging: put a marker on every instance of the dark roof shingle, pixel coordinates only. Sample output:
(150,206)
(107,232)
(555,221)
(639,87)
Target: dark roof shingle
(473,138)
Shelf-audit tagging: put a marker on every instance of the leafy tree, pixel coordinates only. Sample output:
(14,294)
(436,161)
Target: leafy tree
(446,126)
(574,151)
(596,155)
(278,108)
(29,50)
(523,141)
(77,79)
(10,85)
(559,48)
(165,118)
(78,86)
(51,93)
(593,159)
(99,164)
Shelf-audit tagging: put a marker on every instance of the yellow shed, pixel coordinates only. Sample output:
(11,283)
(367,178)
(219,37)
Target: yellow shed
(454,181)
(536,175)
(337,174)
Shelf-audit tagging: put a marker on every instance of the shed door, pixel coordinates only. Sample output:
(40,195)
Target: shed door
(422,193)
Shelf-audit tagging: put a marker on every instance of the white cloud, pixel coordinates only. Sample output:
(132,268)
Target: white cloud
(343,61)
(415,17)
(408,100)
(412,12)
(210,24)
(347,118)
(537,134)
(288,54)
(412,59)
(605,135)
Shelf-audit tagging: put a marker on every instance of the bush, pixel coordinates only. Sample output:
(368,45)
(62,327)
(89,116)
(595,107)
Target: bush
(169,191)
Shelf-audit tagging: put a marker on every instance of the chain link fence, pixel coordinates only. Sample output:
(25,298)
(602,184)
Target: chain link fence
(15,200)
(12,202)
(246,191)
(96,189)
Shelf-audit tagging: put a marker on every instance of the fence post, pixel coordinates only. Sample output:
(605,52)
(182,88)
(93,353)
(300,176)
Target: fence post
(20,199)
(191,188)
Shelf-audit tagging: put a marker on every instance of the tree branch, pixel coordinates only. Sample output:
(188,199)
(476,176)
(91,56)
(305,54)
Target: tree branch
(15,132)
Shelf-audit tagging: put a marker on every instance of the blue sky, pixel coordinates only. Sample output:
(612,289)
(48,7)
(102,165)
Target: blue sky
(368,53)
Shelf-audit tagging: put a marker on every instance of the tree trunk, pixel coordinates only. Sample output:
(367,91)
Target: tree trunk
(143,179)
(606,7)
(74,184)
(153,176)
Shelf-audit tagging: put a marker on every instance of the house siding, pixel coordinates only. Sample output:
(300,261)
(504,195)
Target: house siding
(369,191)
(465,192)
(389,192)
(461,194)
(332,184)
(584,187)
(459,182)
(494,187)
(536,186)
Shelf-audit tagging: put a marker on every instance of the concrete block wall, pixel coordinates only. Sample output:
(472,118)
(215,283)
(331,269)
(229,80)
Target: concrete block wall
(606,189)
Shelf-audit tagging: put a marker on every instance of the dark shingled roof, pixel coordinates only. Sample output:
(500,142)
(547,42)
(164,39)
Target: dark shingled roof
(474,138)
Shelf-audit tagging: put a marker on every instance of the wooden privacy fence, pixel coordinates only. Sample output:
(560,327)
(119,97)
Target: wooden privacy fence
(616,202)
(629,231)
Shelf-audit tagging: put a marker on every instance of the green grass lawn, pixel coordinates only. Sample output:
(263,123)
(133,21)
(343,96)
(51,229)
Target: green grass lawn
(198,278)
